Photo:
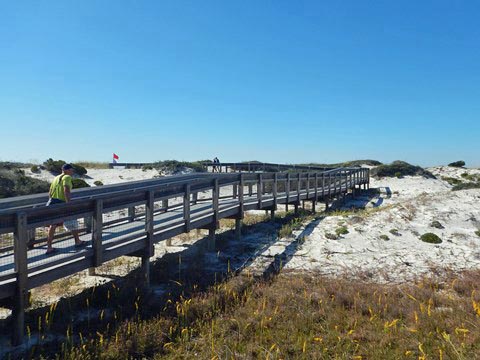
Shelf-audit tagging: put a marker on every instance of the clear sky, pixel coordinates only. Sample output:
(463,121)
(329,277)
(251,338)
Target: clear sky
(277,81)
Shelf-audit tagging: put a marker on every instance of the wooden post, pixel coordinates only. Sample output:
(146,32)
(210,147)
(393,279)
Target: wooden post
(186,207)
(259,190)
(215,195)
(275,190)
(211,239)
(21,269)
(296,208)
(131,213)
(316,186)
(165,204)
(250,189)
(299,187)
(287,191)
(308,186)
(235,191)
(149,246)
(240,196)
(195,198)
(238,228)
(97,236)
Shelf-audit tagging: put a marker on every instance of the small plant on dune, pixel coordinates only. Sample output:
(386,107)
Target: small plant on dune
(436,224)
(431,238)
(35,169)
(458,164)
(342,230)
(79,183)
(394,232)
(331,236)
(452,181)
(384,237)
(98,183)
(398,175)
(466,186)
(477,232)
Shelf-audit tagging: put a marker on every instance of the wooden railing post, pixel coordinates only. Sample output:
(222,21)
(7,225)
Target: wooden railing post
(308,185)
(287,191)
(21,269)
(299,181)
(275,190)
(186,207)
(215,195)
(259,190)
(165,204)
(131,213)
(240,195)
(97,227)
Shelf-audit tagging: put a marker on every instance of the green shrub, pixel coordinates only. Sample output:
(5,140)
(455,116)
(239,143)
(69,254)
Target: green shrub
(437,225)
(384,237)
(458,164)
(331,236)
(466,186)
(400,168)
(431,238)
(398,174)
(98,183)
(79,183)
(452,181)
(79,170)
(175,166)
(394,232)
(15,183)
(35,169)
(477,232)
(55,167)
(342,230)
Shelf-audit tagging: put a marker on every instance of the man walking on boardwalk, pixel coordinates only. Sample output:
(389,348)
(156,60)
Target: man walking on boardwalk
(60,192)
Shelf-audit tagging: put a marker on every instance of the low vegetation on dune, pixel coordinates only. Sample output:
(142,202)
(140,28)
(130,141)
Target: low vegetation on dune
(55,167)
(401,168)
(458,164)
(368,162)
(15,183)
(301,316)
(174,166)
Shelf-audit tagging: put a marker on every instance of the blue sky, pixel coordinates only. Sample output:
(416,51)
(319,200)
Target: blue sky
(277,81)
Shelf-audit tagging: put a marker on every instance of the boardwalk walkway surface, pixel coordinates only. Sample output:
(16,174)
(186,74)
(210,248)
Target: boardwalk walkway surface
(127,219)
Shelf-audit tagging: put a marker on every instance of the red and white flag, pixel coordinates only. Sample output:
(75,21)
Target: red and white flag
(115,157)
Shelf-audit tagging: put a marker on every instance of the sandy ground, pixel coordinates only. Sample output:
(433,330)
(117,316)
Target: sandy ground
(409,206)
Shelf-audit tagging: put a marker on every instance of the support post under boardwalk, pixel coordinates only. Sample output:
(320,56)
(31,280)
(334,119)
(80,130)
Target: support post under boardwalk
(211,239)
(145,271)
(272,215)
(20,297)
(238,228)
(97,236)
(296,208)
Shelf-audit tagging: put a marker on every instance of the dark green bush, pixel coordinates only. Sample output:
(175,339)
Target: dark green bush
(466,186)
(175,166)
(459,164)
(35,169)
(477,232)
(79,183)
(55,167)
(79,170)
(398,174)
(342,230)
(431,238)
(331,236)
(437,225)
(394,232)
(98,183)
(400,168)
(452,181)
(15,183)
(384,237)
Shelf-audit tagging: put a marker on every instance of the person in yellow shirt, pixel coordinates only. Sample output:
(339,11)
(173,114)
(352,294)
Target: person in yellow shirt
(60,192)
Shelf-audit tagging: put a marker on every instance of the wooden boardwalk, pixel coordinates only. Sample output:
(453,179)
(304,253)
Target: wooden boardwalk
(128,219)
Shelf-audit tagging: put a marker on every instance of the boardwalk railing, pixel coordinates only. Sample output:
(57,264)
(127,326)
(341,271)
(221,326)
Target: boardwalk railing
(128,219)
(259,166)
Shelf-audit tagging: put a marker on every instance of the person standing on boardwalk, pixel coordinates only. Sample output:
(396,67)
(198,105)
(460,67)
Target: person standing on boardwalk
(60,192)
